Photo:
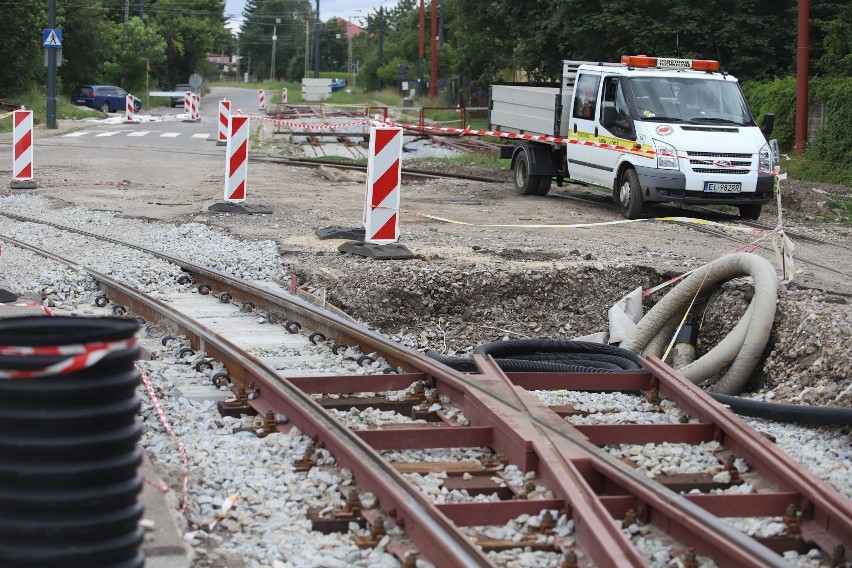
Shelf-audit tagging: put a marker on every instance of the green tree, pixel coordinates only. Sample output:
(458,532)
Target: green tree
(20,45)
(255,39)
(836,56)
(87,43)
(135,47)
(191,30)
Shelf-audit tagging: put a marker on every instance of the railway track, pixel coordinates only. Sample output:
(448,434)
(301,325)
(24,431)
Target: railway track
(295,366)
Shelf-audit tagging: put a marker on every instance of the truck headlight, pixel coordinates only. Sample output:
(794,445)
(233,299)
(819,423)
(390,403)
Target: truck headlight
(776,154)
(764,159)
(666,156)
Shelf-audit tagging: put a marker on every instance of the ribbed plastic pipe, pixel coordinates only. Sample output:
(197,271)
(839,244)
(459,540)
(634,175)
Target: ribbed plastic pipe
(69,481)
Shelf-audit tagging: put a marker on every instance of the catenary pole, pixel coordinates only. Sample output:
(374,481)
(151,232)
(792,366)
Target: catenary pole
(51,69)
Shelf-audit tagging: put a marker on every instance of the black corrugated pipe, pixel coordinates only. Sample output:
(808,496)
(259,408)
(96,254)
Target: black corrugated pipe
(69,480)
(542,355)
(803,414)
(549,355)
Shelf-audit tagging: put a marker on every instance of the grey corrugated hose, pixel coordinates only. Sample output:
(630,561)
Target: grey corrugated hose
(742,348)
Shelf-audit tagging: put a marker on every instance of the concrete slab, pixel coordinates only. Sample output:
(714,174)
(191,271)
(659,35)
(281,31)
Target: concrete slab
(163,545)
(201,392)
(390,251)
(341,232)
(240,208)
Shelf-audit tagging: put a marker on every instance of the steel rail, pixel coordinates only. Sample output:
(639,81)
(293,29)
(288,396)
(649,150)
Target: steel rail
(478,400)
(688,523)
(423,523)
(816,500)
(410,173)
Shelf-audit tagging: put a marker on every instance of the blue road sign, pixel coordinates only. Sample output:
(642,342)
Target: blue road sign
(52,38)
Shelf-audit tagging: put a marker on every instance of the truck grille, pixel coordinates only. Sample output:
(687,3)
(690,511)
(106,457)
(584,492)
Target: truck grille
(720,163)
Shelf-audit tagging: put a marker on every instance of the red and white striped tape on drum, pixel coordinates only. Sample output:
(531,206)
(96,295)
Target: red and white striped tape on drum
(75,357)
(384,177)
(236,159)
(22,143)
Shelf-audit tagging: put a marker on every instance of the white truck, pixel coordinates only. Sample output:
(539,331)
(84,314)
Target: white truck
(650,129)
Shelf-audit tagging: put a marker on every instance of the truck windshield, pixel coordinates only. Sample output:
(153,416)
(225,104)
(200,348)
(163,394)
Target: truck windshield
(690,99)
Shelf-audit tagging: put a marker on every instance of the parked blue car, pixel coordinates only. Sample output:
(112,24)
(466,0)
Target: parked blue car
(105,98)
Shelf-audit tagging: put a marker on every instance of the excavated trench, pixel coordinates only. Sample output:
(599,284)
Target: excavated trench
(453,309)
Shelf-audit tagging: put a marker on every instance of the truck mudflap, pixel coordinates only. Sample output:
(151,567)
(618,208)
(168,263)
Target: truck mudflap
(670,186)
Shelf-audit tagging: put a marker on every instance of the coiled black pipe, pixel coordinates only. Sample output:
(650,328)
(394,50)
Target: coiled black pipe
(800,413)
(549,356)
(553,356)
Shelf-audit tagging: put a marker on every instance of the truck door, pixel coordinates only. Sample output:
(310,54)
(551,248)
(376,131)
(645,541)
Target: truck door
(581,127)
(619,134)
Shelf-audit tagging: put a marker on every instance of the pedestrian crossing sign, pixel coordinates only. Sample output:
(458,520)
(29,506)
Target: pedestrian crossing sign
(52,38)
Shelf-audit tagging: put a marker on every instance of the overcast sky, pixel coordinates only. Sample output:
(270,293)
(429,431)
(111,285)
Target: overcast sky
(354,9)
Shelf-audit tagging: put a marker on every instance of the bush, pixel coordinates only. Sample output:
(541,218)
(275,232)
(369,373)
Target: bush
(827,156)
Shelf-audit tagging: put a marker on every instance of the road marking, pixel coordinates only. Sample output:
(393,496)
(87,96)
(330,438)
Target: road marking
(113,133)
(169,134)
(75,134)
(140,133)
(205,136)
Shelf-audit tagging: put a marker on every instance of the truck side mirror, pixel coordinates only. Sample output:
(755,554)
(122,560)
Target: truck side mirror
(609,117)
(768,124)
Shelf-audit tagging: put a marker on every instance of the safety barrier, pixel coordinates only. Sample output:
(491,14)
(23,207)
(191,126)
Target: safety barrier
(22,150)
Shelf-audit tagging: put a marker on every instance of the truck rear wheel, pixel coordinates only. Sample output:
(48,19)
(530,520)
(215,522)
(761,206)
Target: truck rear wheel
(543,185)
(630,194)
(750,211)
(526,184)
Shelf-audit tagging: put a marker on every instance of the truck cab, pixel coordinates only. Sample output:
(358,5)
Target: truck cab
(652,130)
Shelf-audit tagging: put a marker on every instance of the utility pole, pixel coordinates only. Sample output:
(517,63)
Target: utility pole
(802,57)
(51,69)
(124,39)
(433,76)
(316,44)
(274,40)
(349,49)
(381,39)
(307,47)
(421,50)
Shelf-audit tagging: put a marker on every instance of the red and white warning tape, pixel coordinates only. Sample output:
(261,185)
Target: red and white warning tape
(181,448)
(326,126)
(567,141)
(77,357)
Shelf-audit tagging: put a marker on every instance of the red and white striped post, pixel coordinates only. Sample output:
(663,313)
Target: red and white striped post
(384,178)
(187,102)
(261,99)
(224,121)
(129,109)
(236,159)
(196,104)
(22,150)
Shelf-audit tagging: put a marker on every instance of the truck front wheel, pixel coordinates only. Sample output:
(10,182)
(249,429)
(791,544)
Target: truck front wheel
(750,211)
(526,184)
(630,194)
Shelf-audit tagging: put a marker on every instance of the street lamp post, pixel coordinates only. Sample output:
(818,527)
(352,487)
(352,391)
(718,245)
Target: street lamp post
(274,39)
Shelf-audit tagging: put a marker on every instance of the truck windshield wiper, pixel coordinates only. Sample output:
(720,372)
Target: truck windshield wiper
(714,120)
(662,119)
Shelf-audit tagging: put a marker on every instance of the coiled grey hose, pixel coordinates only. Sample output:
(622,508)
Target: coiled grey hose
(740,350)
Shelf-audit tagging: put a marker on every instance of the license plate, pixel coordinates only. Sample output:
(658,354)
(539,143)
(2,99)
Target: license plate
(718,187)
